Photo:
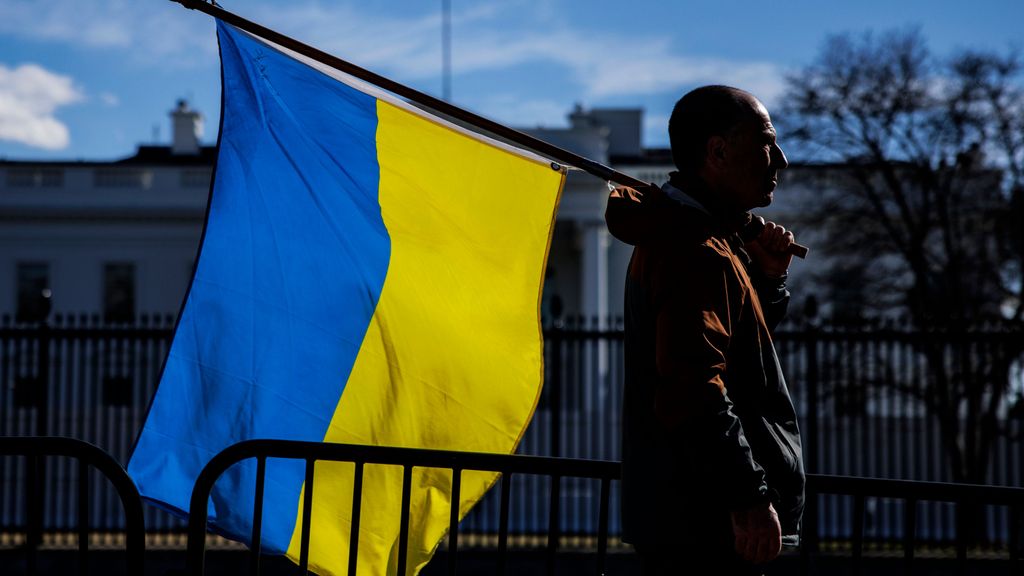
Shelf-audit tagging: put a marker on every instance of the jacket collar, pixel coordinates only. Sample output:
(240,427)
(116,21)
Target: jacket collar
(695,194)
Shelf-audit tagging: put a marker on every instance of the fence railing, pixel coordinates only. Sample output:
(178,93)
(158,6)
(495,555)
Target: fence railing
(862,395)
(965,498)
(509,466)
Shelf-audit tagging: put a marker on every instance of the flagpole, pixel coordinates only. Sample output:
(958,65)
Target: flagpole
(515,136)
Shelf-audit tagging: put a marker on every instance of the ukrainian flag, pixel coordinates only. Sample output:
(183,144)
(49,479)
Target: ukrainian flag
(370,274)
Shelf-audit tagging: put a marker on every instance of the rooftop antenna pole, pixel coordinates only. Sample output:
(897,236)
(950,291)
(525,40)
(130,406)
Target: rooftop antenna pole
(446,50)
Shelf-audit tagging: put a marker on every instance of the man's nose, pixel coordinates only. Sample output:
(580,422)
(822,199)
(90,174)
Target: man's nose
(779,158)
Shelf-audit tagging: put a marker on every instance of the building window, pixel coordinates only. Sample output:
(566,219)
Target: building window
(33,291)
(119,292)
(122,178)
(196,178)
(35,177)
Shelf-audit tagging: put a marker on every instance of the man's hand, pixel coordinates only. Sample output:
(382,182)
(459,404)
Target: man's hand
(768,250)
(758,534)
(637,195)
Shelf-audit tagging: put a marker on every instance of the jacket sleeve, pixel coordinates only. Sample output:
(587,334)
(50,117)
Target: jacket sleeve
(637,216)
(694,305)
(774,298)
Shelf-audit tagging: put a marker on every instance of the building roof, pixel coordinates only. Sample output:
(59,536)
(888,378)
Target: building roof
(144,156)
(161,155)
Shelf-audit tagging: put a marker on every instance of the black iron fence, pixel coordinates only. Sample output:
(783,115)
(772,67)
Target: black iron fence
(874,401)
(870,398)
(81,379)
(881,401)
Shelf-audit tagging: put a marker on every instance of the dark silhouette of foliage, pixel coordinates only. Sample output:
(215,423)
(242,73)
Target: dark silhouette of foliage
(921,212)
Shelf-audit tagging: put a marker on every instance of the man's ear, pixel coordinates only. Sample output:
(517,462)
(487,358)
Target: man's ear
(715,152)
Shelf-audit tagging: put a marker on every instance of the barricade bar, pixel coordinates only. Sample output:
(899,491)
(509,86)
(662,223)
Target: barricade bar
(1016,541)
(307,513)
(257,516)
(477,461)
(909,532)
(506,489)
(36,447)
(858,533)
(602,526)
(553,531)
(83,517)
(403,534)
(453,523)
(357,505)
(34,503)
(915,490)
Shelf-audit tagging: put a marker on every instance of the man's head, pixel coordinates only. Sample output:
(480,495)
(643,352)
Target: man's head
(724,136)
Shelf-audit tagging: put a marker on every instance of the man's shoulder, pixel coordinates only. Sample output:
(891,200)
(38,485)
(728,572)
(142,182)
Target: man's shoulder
(688,255)
(653,220)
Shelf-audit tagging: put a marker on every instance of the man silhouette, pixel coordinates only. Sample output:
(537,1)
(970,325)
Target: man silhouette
(711,454)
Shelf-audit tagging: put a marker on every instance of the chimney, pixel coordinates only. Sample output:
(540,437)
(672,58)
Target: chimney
(579,118)
(186,126)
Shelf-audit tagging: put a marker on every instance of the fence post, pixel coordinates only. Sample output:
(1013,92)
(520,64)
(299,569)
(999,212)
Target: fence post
(810,439)
(37,471)
(813,401)
(555,389)
(42,396)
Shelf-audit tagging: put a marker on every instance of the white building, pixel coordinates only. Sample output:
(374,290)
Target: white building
(114,239)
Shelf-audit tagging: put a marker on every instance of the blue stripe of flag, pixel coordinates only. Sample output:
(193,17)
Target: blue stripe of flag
(291,268)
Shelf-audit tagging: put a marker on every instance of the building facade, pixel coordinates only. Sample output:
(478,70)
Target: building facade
(112,239)
(118,239)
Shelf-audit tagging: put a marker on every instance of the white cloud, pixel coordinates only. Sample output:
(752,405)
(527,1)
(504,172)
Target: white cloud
(523,113)
(617,65)
(89,23)
(140,30)
(409,47)
(603,65)
(29,96)
(109,99)
(405,47)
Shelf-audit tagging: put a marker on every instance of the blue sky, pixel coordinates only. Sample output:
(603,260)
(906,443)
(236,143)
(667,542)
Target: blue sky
(90,79)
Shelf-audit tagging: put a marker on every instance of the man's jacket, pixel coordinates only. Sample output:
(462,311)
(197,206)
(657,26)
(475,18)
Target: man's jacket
(709,426)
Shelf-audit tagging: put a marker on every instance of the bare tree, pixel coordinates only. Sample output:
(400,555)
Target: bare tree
(923,207)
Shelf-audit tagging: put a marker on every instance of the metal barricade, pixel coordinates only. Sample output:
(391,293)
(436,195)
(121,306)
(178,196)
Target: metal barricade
(966,498)
(36,448)
(310,452)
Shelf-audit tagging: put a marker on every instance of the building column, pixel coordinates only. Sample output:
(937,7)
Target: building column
(595,240)
(594,305)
